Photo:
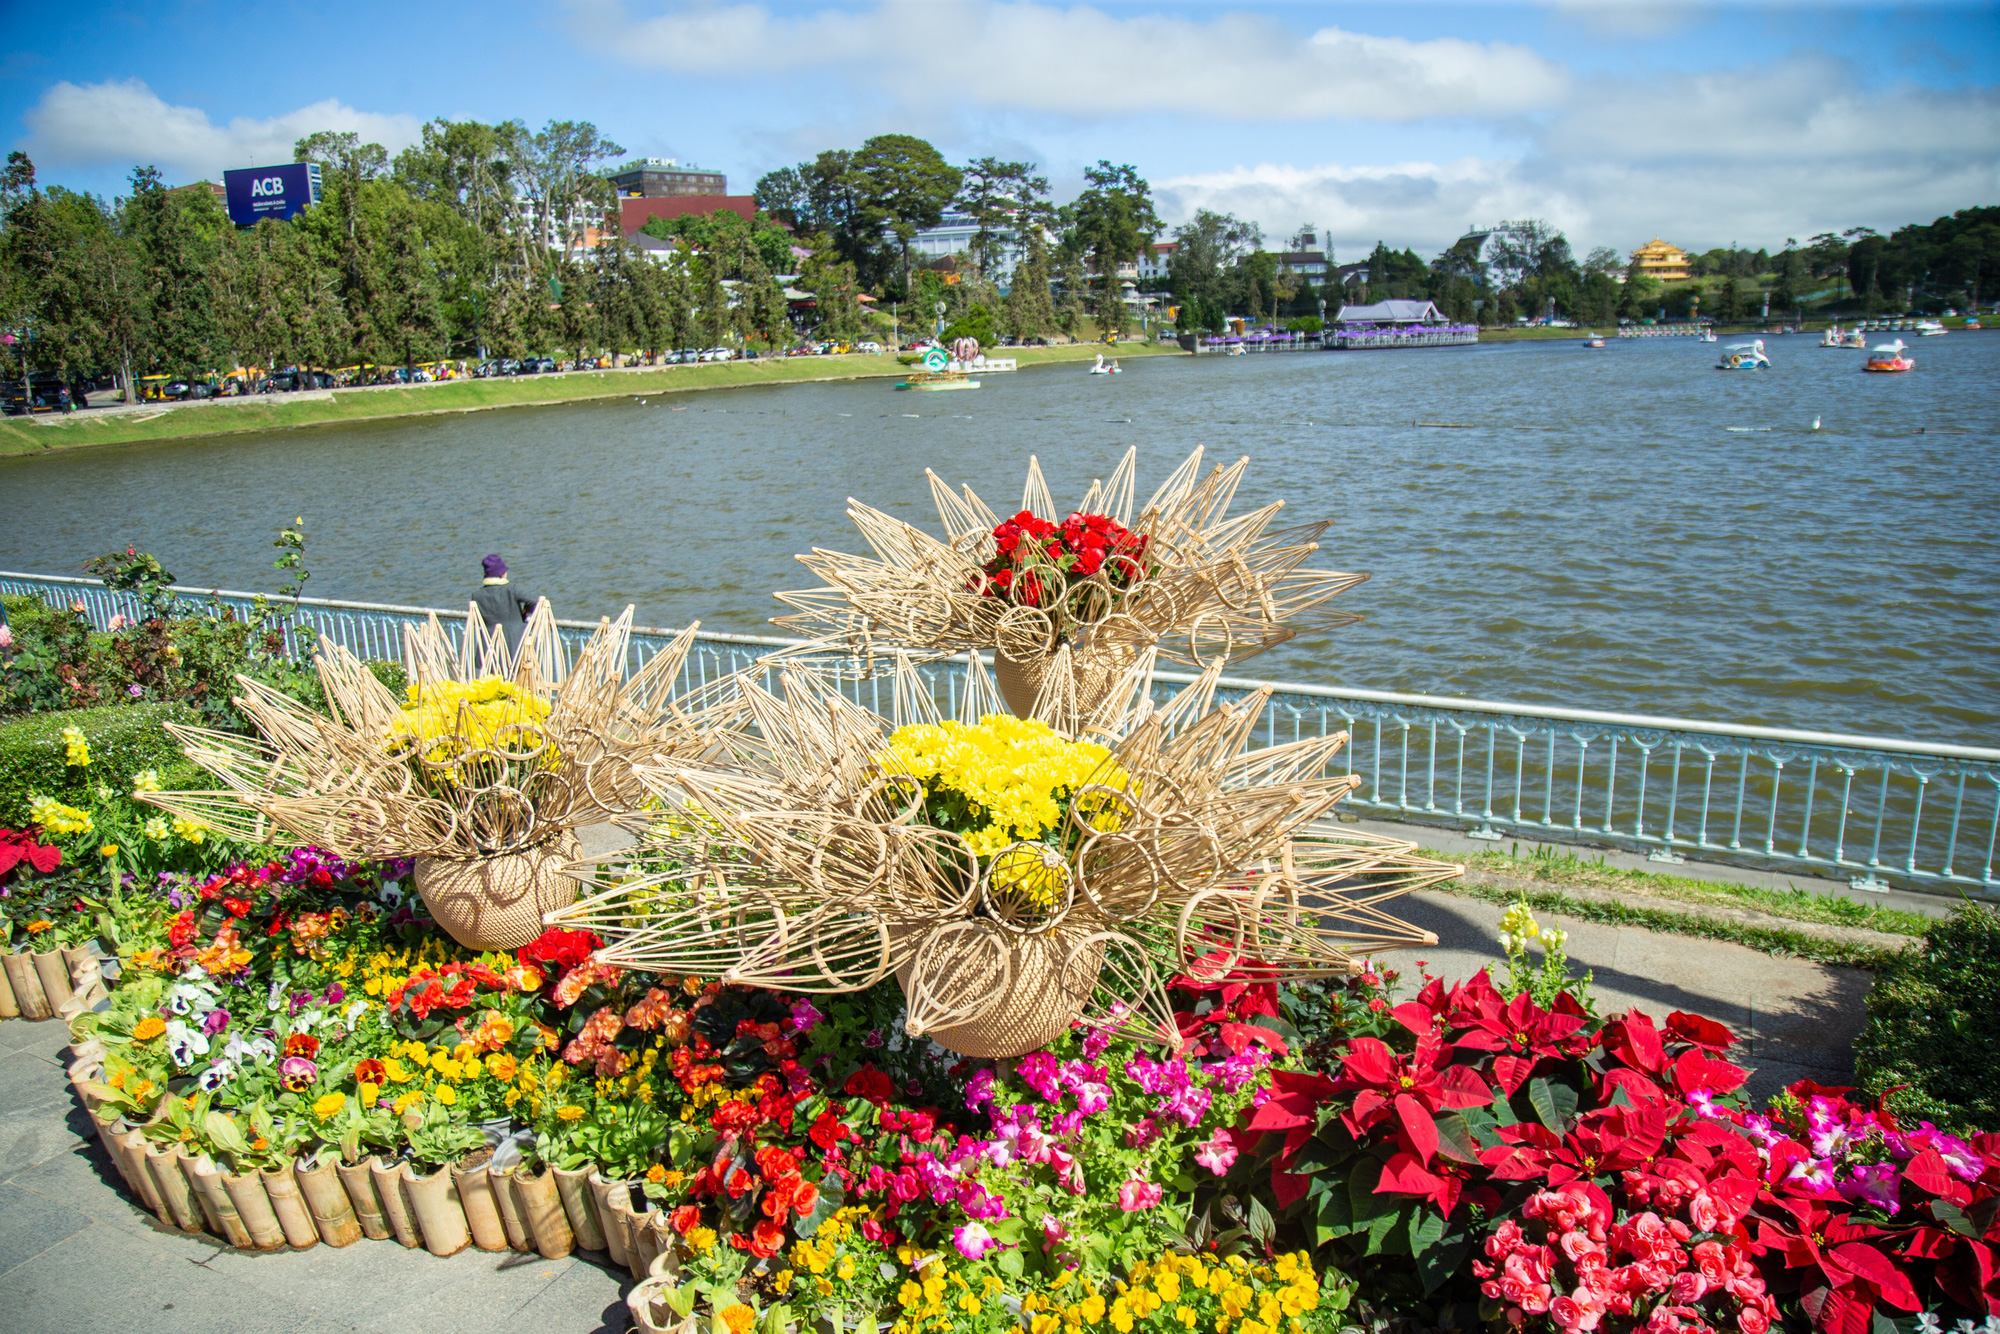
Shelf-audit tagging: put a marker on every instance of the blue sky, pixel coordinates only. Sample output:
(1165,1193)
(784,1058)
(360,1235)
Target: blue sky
(1707,124)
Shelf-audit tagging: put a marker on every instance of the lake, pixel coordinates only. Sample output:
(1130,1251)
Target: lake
(1624,528)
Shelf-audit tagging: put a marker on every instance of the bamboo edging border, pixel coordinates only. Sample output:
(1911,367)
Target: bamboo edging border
(552,1213)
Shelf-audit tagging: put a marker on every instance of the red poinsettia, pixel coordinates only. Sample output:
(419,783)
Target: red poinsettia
(20,845)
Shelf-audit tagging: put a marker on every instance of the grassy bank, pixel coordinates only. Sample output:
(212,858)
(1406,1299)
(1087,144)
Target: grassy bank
(1823,927)
(20,436)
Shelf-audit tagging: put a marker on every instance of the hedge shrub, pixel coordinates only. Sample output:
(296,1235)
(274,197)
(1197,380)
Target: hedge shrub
(1934,1025)
(123,740)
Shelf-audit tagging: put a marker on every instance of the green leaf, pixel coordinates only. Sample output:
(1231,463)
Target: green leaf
(1455,1138)
(1426,1230)
(1554,1103)
(1954,1218)
(1440,1262)
(1010,1263)
(1335,1217)
(1008,1230)
(1262,1226)
(1501,1110)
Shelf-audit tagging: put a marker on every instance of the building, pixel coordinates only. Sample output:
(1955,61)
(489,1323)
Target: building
(1308,261)
(1657,259)
(955,235)
(1152,269)
(633,213)
(1393,312)
(661,177)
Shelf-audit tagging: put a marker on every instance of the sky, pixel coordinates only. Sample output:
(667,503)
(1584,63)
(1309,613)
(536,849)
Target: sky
(1708,125)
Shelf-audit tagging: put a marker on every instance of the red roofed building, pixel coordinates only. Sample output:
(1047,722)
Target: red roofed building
(633,213)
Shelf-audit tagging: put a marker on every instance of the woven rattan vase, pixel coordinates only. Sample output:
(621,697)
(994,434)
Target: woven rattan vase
(1043,996)
(1020,680)
(496,903)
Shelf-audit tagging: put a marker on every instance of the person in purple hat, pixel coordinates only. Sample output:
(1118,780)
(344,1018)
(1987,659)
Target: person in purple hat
(501,603)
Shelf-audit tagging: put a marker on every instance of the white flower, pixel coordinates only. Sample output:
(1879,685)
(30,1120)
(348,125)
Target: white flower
(260,1050)
(1928,1323)
(1554,938)
(276,999)
(156,828)
(185,1042)
(391,894)
(216,1075)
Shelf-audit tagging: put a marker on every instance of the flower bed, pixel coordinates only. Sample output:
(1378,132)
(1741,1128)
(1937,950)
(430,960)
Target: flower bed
(292,1055)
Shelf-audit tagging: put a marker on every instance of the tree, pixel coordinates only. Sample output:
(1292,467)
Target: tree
(836,289)
(785,193)
(991,195)
(904,185)
(556,168)
(1206,248)
(1114,223)
(401,315)
(177,238)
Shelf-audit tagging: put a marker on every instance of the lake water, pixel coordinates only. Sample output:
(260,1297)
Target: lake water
(1623,529)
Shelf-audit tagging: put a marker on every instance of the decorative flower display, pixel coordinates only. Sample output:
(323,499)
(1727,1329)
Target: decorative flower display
(1013,875)
(481,773)
(1102,584)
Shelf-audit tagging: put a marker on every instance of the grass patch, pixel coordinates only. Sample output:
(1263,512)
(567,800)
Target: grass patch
(1799,905)
(19,436)
(1772,940)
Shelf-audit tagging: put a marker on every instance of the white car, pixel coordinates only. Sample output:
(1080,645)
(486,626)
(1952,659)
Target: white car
(718,354)
(869,347)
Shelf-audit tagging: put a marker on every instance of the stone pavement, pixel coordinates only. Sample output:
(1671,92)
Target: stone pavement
(77,1253)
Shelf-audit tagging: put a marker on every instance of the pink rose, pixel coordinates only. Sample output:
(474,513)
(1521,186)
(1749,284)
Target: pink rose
(1708,1258)
(1752,1321)
(1136,1195)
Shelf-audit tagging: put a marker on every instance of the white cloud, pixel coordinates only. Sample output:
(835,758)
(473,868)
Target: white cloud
(1023,55)
(126,122)
(1751,155)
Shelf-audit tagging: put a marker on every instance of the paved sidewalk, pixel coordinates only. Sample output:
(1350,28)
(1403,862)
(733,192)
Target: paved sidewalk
(77,1253)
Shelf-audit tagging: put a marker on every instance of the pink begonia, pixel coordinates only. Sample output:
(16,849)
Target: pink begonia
(1136,1195)
(972,1240)
(1217,1152)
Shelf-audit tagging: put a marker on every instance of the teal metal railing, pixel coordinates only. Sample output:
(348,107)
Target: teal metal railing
(1879,811)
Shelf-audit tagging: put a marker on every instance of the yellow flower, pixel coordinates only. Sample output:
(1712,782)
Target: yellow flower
(57,818)
(367,1093)
(403,1101)
(194,831)
(701,1239)
(501,1066)
(148,1028)
(329,1104)
(845,1269)
(76,748)
(446,1094)
(738,1318)
(146,780)
(656,1174)
(570,1112)
(155,828)
(108,850)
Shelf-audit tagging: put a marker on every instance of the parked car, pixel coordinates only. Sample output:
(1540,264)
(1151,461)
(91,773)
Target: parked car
(869,346)
(541,365)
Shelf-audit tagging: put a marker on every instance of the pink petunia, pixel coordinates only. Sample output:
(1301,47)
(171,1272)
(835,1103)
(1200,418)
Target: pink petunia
(1217,1152)
(1136,1195)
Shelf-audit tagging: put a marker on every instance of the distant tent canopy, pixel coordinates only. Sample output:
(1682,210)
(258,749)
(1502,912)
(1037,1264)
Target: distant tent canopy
(1393,312)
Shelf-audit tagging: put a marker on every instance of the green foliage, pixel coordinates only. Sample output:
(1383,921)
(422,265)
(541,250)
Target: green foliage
(1932,1041)
(123,741)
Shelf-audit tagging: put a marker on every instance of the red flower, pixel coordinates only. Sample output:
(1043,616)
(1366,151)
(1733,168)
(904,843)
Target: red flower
(236,907)
(828,1130)
(559,950)
(764,1240)
(182,931)
(370,1071)
(19,845)
(686,1219)
(302,1044)
(1413,1088)
(870,1083)
(1606,1141)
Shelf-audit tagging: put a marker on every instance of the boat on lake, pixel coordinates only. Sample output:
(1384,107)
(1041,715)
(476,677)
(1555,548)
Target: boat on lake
(1101,367)
(1744,357)
(1930,328)
(1595,340)
(1889,358)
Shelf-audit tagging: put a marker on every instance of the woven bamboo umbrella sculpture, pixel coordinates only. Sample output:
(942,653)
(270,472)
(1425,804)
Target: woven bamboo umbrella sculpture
(1080,596)
(1014,875)
(481,775)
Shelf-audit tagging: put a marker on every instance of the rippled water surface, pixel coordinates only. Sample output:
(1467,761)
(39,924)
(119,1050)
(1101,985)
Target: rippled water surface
(1625,529)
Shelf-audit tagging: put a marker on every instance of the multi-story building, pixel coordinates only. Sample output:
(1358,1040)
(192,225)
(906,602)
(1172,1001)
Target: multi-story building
(1657,259)
(653,177)
(955,235)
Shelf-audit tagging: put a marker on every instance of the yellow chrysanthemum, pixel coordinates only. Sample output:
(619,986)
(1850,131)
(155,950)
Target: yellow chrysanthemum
(448,718)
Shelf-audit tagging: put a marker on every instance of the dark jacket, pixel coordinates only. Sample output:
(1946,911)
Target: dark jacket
(507,606)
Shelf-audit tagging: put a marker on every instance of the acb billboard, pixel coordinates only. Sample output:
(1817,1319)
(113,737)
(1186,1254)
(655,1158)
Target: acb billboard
(256,193)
